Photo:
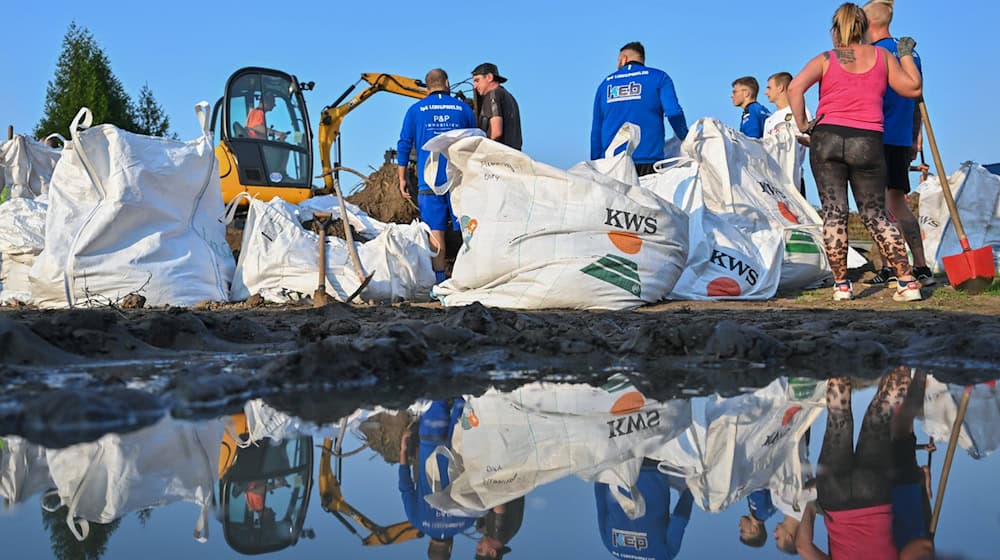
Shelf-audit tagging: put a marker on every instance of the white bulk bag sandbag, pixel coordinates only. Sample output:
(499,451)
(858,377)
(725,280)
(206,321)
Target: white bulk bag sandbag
(751,442)
(540,237)
(27,167)
(22,238)
(977,196)
(279,259)
(508,444)
(980,432)
(24,471)
(168,462)
(131,213)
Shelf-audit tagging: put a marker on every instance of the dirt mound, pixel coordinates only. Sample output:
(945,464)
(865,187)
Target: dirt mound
(384,432)
(380,197)
(334,228)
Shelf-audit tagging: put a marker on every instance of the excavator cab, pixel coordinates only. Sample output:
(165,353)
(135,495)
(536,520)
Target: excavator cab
(265,141)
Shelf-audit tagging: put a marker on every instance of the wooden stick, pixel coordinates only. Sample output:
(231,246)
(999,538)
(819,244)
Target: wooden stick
(956,430)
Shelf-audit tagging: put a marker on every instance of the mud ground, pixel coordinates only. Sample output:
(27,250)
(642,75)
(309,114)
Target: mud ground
(122,367)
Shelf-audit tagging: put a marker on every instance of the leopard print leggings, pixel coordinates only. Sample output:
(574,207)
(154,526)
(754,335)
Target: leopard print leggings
(838,155)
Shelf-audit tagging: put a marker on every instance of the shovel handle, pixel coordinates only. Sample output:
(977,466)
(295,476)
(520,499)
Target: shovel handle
(945,188)
(956,430)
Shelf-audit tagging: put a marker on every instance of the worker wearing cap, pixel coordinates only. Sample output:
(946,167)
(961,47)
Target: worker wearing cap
(438,112)
(640,95)
(499,116)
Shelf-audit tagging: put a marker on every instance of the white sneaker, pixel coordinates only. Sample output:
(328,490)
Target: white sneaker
(908,291)
(843,291)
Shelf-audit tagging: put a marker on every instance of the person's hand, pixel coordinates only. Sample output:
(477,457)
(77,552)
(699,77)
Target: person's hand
(404,443)
(403,191)
(802,139)
(810,126)
(905,46)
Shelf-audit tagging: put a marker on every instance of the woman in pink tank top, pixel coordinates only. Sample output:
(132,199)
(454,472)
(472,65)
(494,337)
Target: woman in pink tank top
(846,141)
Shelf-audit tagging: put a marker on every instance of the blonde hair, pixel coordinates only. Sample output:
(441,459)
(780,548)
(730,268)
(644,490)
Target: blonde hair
(849,24)
(879,12)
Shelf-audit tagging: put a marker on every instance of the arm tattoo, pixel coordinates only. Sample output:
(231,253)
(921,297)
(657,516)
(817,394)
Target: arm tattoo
(826,55)
(845,56)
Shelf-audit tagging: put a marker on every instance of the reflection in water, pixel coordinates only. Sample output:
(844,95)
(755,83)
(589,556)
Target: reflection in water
(466,465)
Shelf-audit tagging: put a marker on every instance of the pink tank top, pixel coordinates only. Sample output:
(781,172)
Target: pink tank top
(861,534)
(854,100)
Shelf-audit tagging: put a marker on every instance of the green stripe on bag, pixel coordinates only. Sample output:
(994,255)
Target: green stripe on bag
(799,236)
(809,248)
(616,271)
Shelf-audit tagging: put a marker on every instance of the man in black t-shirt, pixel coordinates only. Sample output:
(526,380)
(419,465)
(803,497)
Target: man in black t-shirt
(498,116)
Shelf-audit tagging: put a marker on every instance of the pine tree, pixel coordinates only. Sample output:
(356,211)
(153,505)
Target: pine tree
(150,118)
(84,79)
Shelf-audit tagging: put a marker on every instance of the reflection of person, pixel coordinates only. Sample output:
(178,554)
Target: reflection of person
(745,92)
(435,428)
(643,96)
(256,123)
(499,526)
(911,507)
(902,142)
(846,144)
(777,93)
(425,119)
(658,533)
(752,530)
(854,486)
(499,115)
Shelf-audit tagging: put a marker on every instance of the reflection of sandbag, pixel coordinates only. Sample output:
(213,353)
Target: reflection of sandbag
(131,213)
(168,462)
(507,444)
(977,196)
(752,441)
(22,238)
(279,258)
(980,434)
(24,471)
(540,237)
(265,422)
(27,167)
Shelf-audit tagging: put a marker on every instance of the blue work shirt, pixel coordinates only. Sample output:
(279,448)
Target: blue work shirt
(435,428)
(897,111)
(640,95)
(752,123)
(657,535)
(909,522)
(438,112)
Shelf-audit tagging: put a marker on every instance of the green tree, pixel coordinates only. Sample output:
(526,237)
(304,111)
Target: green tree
(84,79)
(64,544)
(149,116)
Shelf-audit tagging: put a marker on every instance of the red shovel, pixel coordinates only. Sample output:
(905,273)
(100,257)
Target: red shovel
(971,270)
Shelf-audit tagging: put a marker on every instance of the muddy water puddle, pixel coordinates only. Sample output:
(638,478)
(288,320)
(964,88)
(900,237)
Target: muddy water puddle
(553,469)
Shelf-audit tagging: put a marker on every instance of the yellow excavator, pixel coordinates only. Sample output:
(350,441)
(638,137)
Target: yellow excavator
(265,142)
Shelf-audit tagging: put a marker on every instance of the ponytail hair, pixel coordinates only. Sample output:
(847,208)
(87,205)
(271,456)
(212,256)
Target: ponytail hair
(849,24)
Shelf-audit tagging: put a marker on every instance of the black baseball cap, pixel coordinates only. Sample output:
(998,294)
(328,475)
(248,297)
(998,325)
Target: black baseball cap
(489,68)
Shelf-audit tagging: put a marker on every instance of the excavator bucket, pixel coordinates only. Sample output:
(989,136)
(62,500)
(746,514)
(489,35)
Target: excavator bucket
(393,534)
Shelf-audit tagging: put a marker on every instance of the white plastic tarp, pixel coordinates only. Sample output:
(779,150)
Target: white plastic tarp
(536,236)
(977,196)
(131,213)
(279,259)
(27,167)
(745,443)
(510,443)
(168,462)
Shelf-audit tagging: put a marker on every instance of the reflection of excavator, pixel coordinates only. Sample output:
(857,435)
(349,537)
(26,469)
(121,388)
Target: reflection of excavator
(333,501)
(276,159)
(264,490)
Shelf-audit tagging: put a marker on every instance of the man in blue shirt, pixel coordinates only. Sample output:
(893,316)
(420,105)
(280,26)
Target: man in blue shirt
(911,507)
(752,530)
(436,426)
(640,95)
(902,141)
(657,535)
(745,92)
(425,119)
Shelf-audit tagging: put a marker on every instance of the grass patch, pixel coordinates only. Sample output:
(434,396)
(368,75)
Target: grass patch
(994,289)
(812,296)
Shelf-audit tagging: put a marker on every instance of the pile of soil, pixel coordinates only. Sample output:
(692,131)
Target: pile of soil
(384,432)
(334,228)
(380,198)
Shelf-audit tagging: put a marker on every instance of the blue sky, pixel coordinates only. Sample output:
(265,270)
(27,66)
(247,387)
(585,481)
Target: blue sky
(553,53)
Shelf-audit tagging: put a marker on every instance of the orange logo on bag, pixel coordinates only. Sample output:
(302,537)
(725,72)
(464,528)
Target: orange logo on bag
(473,419)
(628,403)
(472,225)
(723,286)
(787,214)
(789,414)
(626,241)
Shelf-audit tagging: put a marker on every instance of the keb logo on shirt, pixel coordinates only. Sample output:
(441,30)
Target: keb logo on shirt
(629,539)
(624,92)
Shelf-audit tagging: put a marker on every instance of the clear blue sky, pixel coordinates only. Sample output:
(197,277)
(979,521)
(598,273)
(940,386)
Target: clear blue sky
(553,53)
